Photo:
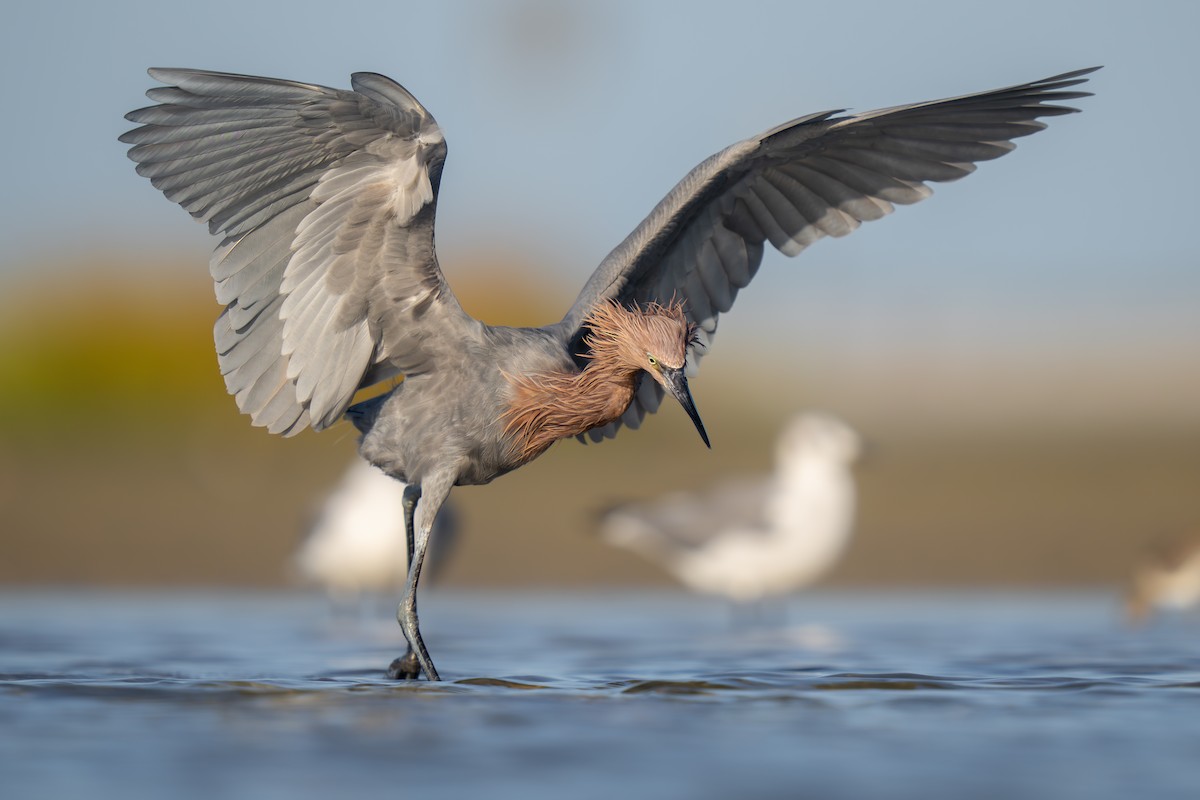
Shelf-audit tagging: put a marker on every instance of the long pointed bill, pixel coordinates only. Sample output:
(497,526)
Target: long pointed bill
(677,385)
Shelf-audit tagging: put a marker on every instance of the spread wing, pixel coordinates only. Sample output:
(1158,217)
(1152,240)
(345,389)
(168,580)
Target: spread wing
(324,200)
(820,175)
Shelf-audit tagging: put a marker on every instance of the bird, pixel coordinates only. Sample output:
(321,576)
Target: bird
(322,203)
(356,545)
(1166,578)
(751,539)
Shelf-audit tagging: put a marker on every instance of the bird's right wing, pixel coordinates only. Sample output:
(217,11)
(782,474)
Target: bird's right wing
(820,175)
(324,200)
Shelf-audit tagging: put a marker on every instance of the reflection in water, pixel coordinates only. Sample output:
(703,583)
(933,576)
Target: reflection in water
(596,695)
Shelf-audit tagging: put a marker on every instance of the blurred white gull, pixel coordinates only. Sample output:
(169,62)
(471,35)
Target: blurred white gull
(1166,579)
(357,544)
(753,539)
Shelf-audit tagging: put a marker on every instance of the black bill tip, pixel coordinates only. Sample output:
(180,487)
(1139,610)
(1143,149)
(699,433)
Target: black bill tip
(677,385)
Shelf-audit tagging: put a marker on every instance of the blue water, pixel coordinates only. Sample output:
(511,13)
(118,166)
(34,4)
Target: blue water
(599,695)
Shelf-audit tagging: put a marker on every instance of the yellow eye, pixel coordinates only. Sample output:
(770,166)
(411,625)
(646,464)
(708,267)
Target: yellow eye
(652,359)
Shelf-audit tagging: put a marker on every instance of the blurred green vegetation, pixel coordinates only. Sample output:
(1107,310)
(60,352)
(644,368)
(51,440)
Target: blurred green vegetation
(123,460)
(83,355)
(108,351)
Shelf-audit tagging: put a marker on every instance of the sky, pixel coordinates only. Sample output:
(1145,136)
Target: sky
(567,122)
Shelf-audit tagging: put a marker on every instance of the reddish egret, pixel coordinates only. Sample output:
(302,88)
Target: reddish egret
(754,538)
(323,200)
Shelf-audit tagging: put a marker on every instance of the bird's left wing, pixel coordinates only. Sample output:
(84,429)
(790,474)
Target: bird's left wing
(324,200)
(820,175)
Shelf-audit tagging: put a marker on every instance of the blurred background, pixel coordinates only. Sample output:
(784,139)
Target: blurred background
(1021,350)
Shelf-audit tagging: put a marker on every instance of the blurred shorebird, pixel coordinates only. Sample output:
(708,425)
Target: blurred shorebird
(755,538)
(324,199)
(1166,579)
(356,546)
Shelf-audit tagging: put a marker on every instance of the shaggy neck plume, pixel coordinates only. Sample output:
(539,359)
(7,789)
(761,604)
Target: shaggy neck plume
(553,406)
(550,406)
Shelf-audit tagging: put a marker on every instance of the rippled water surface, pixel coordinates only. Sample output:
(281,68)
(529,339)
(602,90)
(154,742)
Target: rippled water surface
(561,695)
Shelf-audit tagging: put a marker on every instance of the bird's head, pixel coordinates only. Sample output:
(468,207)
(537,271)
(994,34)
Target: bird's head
(654,340)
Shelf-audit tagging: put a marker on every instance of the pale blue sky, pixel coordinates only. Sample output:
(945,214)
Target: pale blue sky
(560,142)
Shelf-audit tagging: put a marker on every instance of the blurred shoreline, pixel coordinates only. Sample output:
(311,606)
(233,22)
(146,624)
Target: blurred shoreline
(123,461)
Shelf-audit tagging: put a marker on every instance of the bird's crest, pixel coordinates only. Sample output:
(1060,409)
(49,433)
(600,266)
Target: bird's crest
(661,329)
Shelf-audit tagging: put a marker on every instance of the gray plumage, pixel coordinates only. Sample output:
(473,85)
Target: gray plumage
(324,202)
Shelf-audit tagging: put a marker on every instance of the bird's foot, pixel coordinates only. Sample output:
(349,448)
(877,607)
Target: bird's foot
(405,668)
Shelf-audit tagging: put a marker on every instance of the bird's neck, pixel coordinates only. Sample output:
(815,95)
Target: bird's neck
(550,406)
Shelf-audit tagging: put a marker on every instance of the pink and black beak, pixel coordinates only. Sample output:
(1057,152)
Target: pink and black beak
(677,385)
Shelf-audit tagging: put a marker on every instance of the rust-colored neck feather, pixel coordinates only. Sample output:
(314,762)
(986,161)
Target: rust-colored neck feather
(550,406)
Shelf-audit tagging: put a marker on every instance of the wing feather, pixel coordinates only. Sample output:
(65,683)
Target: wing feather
(325,202)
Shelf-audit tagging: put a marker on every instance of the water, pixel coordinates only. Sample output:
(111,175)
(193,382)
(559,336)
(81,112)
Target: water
(602,695)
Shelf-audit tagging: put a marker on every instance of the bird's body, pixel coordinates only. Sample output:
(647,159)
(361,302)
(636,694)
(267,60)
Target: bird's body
(324,201)
(751,539)
(435,423)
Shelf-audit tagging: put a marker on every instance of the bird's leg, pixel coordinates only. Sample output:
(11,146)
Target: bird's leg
(407,667)
(412,493)
(418,527)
